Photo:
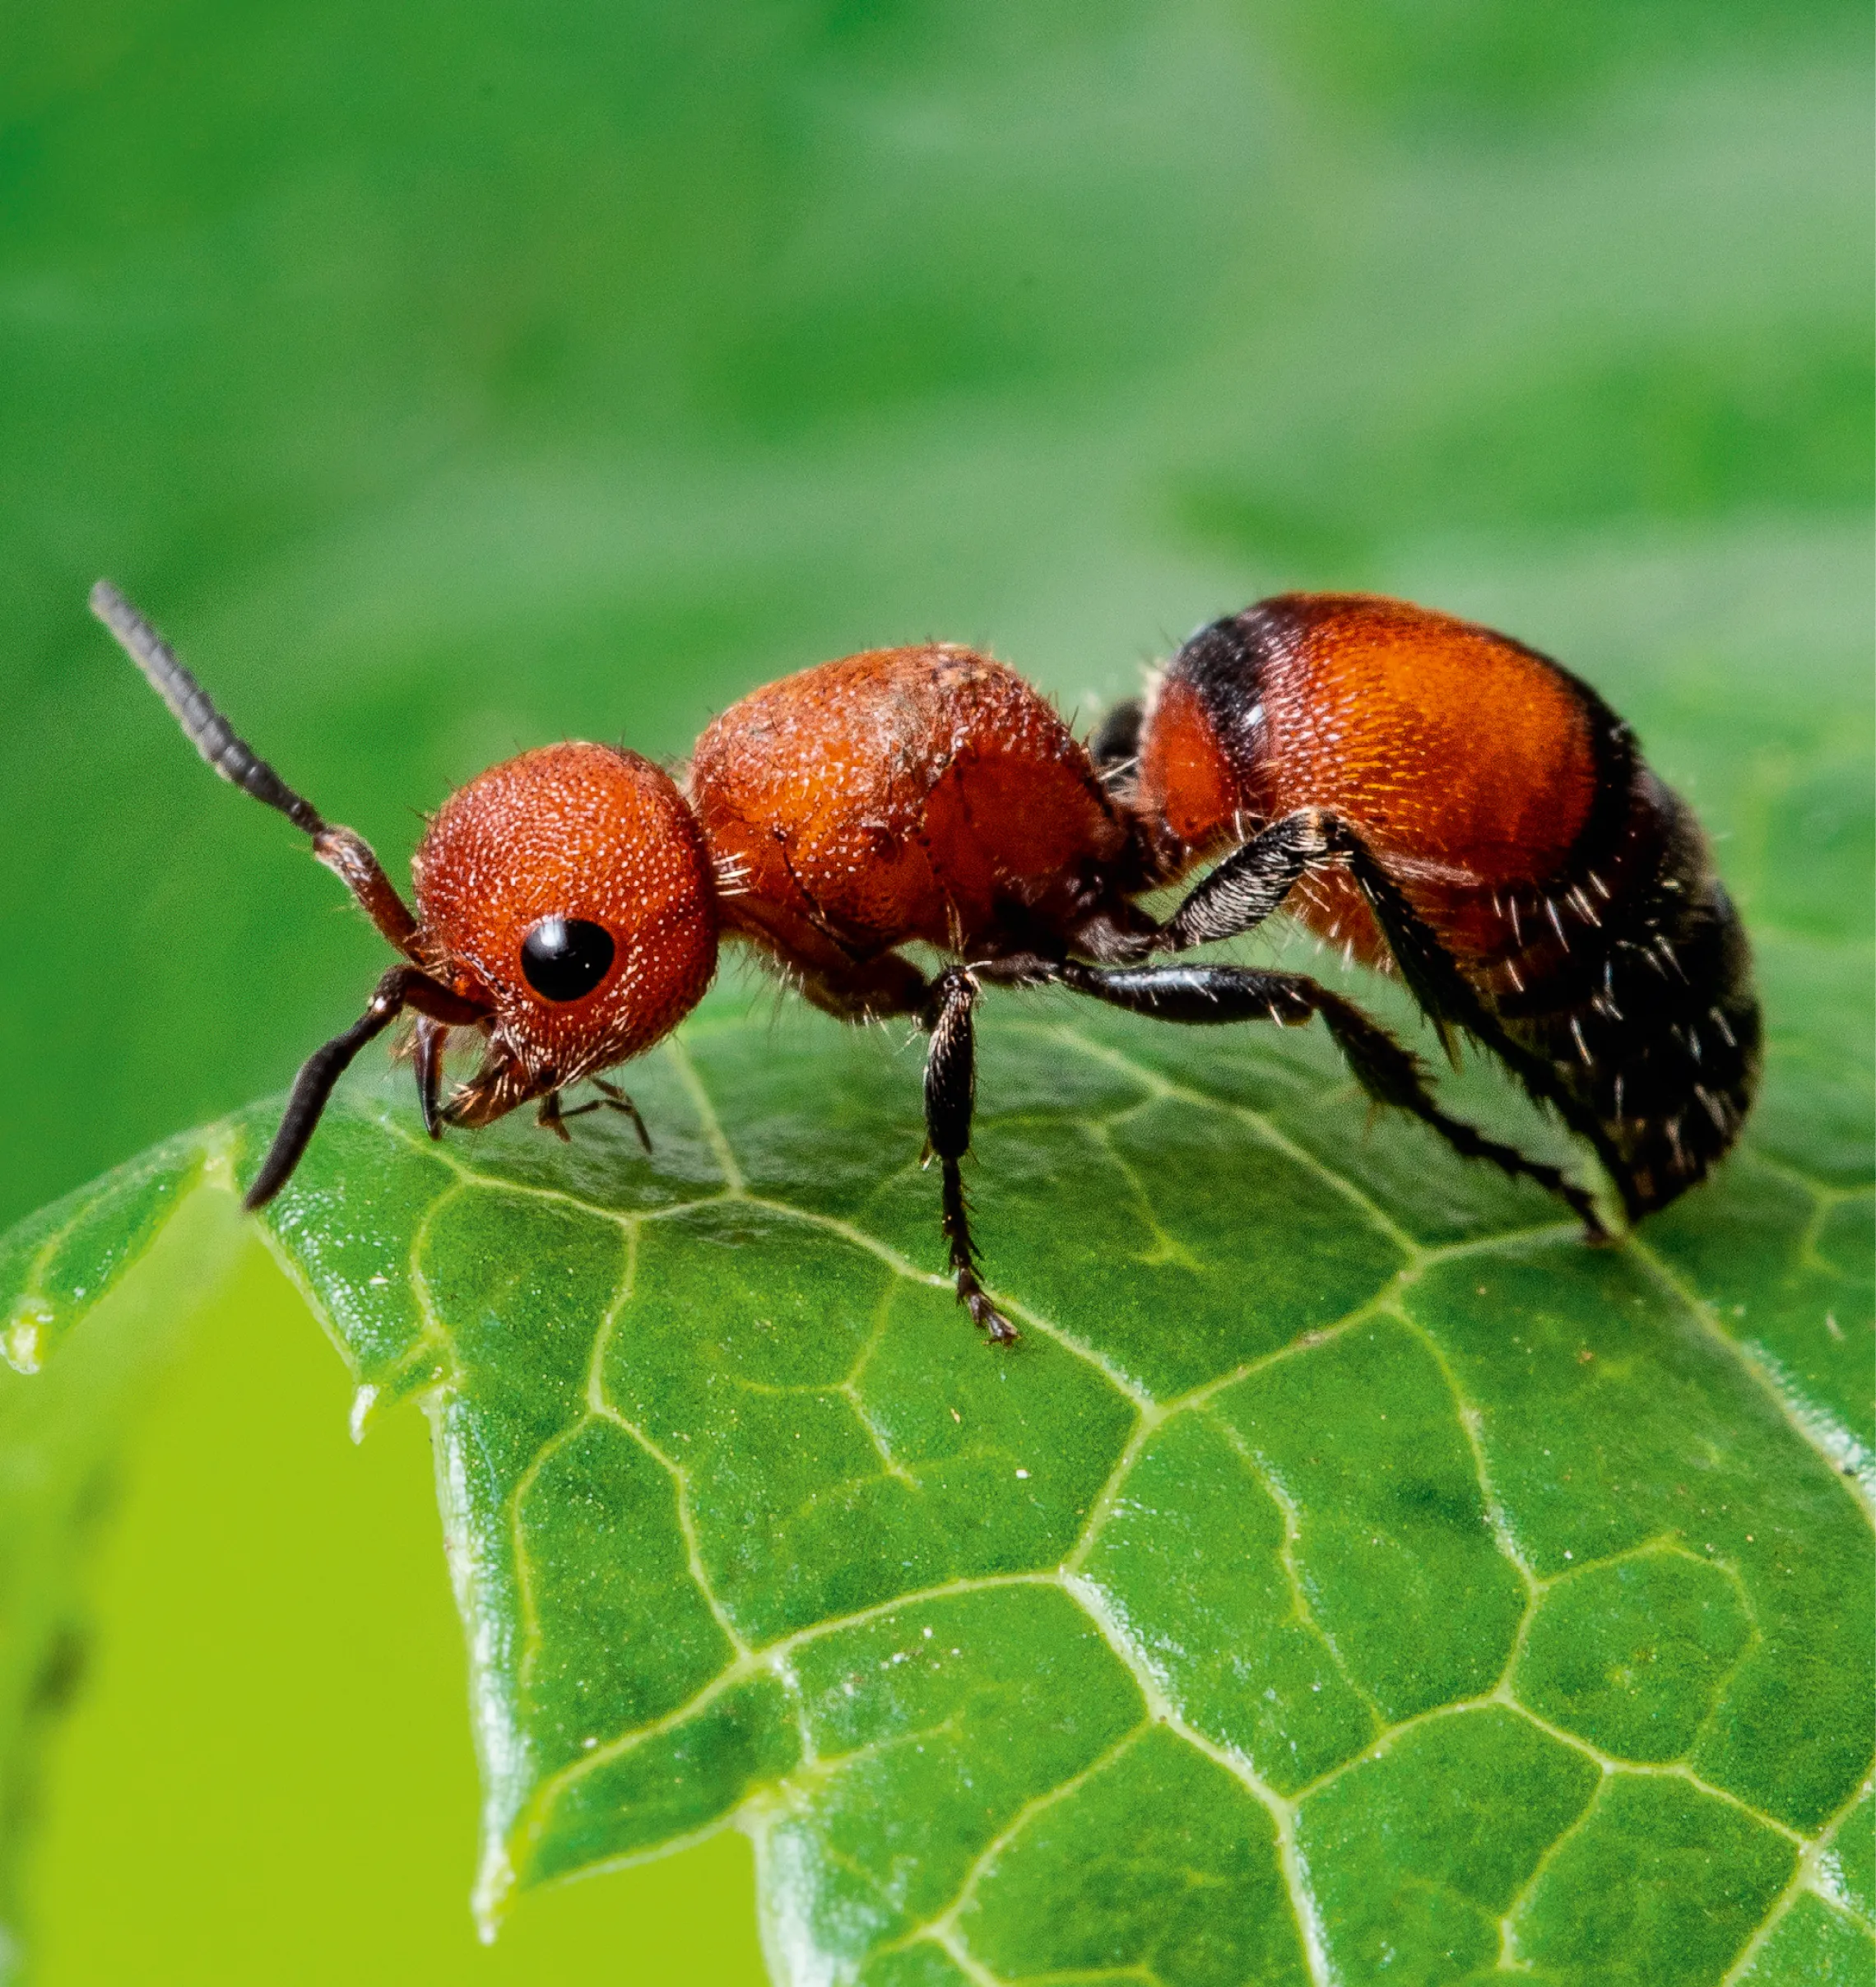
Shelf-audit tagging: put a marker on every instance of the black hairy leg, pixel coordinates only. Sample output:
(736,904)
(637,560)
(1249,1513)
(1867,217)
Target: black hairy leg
(611,1097)
(551,1116)
(1251,882)
(1433,977)
(1211,996)
(950,1095)
(945,1007)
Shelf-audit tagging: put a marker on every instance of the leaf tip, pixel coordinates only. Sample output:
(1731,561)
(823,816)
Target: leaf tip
(495,1884)
(359,1421)
(23,1344)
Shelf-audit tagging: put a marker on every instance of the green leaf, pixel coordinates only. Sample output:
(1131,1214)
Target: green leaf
(1350,1575)
(61,1431)
(534,380)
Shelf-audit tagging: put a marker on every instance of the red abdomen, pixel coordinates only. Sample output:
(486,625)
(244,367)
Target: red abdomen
(1466,761)
(1571,889)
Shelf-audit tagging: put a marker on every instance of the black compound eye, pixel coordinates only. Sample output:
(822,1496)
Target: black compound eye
(564,958)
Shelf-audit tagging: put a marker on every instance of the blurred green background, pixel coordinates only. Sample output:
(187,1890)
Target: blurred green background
(445,380)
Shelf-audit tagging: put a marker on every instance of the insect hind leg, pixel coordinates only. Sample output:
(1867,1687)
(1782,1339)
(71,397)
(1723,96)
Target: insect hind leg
(1251,884)
(1205,995)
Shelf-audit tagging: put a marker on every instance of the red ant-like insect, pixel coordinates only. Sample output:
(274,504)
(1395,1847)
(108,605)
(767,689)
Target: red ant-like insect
(1426,793)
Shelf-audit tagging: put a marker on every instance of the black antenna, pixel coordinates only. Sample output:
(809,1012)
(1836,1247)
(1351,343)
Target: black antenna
(346,855)
(205,728)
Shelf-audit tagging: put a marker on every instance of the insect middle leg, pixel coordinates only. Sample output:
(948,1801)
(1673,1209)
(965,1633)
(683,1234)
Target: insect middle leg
(890,985)
(1208,994)
(950,1097)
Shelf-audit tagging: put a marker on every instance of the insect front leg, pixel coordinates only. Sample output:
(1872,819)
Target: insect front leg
(615,1099)
(552,1115)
